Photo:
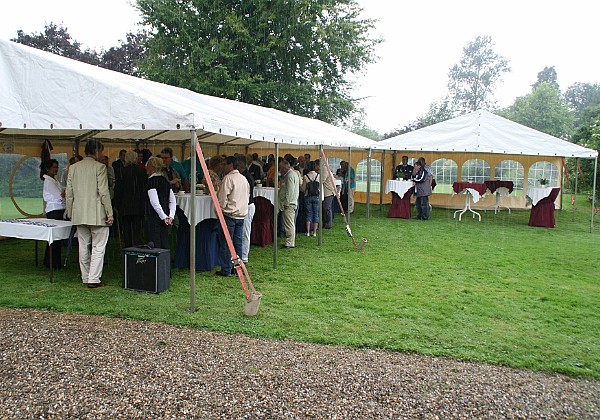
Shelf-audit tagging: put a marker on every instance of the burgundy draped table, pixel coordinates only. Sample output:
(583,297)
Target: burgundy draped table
(400,207)
(493,185)
(401,192)
(459,186)
(262,224)
(542,213)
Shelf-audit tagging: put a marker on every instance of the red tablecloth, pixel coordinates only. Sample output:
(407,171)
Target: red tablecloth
(542,214)
(262,224)
(493,185)
(400,206)
(459,186)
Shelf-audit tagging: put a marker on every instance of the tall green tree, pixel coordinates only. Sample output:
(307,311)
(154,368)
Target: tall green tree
(580,96)
(544,110)
(471,82)
(587,135)
(547,75)
(295,56)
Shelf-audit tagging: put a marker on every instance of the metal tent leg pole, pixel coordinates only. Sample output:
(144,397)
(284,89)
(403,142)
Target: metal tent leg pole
(594,195)
(348,187)
(193,141)
(381,178)
(275,206)
(369,184)
(321,174)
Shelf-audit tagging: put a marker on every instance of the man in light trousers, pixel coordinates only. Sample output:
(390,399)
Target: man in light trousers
(89,208)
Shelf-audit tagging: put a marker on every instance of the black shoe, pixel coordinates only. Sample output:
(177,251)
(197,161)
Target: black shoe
(287,247)
(94,285)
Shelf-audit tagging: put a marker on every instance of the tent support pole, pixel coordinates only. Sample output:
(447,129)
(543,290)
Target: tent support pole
(369,184)
(576,179)
(193,141)
(321,174)
(348,186)
(381,178)
(276,205)
(594,195)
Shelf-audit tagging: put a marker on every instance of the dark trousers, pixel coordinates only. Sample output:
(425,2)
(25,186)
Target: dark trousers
(158,232)
(328,212)
(133,226)
(422,205)
(236,232)
(56,245)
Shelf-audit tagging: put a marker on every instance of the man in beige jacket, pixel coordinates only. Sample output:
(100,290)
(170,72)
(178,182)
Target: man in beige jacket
(89,207)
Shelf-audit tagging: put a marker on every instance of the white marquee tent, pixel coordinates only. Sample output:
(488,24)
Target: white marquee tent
(45,96)
(484,132)
(481,133)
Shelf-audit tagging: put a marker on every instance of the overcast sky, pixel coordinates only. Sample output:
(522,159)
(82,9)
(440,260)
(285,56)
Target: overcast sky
(423,39)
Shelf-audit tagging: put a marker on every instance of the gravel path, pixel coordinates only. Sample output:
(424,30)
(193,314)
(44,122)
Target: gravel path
(76,366)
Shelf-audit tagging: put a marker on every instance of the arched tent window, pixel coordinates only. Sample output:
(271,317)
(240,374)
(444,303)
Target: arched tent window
(334,164)
(542,170)
(511,170)
(445,172)
(476,170)
(361,175)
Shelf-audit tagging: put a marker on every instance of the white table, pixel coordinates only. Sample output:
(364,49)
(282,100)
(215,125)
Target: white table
(265,192)
(205,208)
(535,194)
(48,230)
(400,187)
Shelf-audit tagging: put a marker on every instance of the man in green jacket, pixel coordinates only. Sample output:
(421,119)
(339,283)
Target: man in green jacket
(288,200)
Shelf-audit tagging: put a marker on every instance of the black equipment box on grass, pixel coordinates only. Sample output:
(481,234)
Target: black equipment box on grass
(146,270)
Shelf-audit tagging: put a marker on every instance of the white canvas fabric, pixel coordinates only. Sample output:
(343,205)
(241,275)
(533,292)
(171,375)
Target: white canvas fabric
(484,132)
(42,94)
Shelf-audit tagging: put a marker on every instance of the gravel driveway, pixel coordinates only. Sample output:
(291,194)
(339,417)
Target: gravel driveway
(77,366)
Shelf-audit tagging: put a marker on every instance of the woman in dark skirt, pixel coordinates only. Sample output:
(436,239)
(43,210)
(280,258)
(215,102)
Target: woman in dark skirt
(54,206)
(130,200)
(161,209)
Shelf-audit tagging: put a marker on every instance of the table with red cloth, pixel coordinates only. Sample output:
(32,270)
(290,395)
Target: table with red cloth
(262,224)
(207,233)
(401,192)
(542,209)
(494,187)
(472,190)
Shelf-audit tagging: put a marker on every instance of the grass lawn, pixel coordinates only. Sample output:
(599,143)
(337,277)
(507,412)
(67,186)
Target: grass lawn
(495,291)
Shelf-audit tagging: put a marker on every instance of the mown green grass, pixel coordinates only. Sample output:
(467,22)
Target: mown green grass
(495,291)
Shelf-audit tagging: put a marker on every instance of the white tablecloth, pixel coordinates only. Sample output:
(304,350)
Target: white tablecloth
(265,192)
(48,230)
(205,209)
(535,194)
(400,187)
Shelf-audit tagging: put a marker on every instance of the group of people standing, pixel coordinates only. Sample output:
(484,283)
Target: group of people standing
(140,191)
(422,177)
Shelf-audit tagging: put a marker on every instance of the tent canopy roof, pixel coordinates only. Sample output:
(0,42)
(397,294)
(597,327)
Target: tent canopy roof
(484,132)
(48,96)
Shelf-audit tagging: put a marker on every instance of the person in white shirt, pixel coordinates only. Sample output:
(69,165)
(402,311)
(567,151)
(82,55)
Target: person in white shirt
(160,213)
(54,206)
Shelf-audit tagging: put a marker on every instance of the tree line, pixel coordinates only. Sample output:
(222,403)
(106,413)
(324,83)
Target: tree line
(301,56)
